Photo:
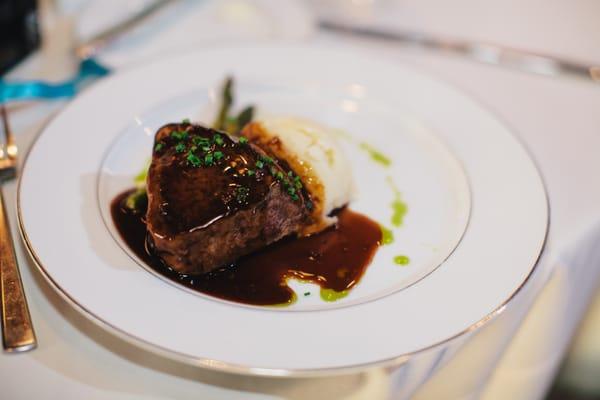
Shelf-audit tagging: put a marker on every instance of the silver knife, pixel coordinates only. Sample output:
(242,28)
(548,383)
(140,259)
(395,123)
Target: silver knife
(91,46)
(540,64)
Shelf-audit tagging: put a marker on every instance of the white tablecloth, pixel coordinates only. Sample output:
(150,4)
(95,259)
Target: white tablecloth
(515,356)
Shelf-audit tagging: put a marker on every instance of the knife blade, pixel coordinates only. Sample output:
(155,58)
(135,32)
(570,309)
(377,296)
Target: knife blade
(91,46)
(487,53)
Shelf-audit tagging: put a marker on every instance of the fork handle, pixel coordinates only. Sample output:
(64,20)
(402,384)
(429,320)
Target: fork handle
(17,330)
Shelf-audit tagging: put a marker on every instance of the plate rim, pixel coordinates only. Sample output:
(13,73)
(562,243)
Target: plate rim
(234,368)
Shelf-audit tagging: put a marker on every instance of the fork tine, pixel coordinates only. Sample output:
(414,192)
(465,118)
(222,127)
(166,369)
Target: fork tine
(11,147)
(4,118)
(5,127)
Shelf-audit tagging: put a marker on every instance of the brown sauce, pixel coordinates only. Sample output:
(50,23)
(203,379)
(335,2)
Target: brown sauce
(335,259)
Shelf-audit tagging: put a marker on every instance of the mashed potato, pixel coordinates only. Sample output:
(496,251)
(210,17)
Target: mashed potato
(312,152)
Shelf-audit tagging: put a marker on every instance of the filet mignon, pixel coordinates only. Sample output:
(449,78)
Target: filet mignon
(213,199)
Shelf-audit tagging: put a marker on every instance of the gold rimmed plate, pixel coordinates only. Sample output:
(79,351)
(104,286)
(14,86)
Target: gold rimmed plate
(475,224)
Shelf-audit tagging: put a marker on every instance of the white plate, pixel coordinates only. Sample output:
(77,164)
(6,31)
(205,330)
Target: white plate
(476,221)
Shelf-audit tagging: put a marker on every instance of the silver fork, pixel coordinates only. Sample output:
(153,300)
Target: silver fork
(17,330)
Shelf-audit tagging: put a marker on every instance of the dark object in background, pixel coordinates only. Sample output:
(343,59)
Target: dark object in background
(559,393)
(19,33)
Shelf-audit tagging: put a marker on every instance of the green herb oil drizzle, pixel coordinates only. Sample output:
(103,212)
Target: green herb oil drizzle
(140,178)
(332,295)
(387,236)
(376,155)
(399,207)
(402,260)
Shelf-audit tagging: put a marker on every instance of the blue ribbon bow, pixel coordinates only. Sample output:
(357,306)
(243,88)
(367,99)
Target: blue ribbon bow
(28,90)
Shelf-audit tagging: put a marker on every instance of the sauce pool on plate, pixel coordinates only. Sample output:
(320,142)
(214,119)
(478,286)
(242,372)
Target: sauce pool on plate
(335,259)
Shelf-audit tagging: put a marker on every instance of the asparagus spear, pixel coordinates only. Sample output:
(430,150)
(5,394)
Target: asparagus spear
(245,117)
(227,122)
(226,103)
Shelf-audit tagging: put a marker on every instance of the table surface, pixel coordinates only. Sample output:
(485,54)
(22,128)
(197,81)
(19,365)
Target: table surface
(556,118)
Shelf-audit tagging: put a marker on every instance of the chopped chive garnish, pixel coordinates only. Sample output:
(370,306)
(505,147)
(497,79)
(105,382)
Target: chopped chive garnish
(290,174)
(179,135)
(266,159)
(273,170)
(243,140)
(218,155)
(295,197)
(291,190)
(193,148)
(180,147)
(251,172)
(218,139)
(208,159)
(259,164)
(279,175)
(205,148)
(158,147)
(185,121)
(194,160)
(200,141)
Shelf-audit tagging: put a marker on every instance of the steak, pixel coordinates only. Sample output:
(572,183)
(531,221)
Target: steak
(213,199)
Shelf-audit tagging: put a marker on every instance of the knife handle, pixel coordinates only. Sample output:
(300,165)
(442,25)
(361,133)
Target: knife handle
(17,329)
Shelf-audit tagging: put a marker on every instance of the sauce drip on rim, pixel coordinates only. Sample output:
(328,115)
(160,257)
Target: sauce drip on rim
(335,259)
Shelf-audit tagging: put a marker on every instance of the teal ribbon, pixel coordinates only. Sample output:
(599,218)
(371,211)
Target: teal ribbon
(28,90)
